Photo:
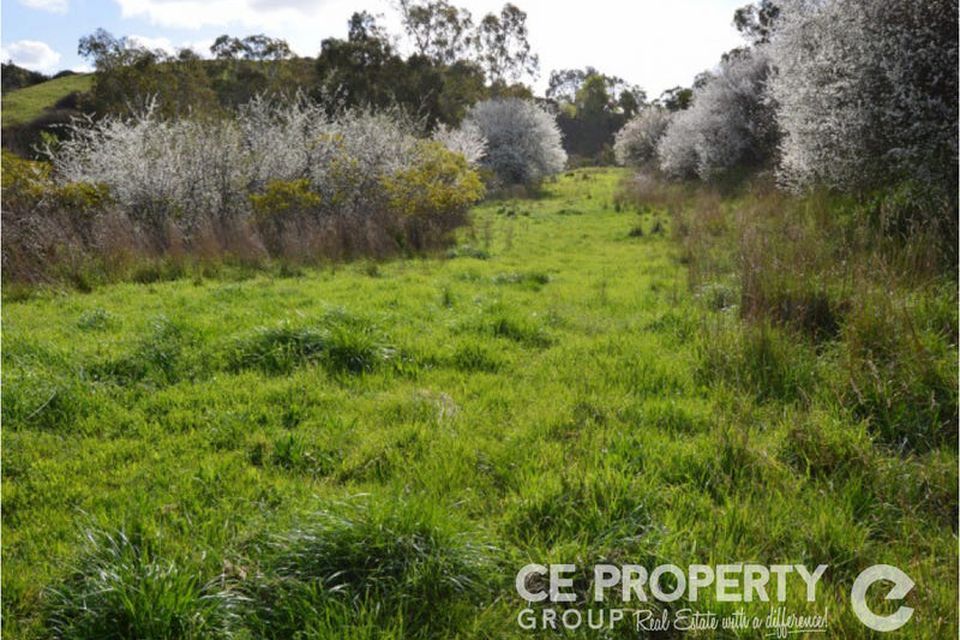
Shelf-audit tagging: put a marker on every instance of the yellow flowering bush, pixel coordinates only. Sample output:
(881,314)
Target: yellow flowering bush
(282,206)
(281,197)
(25,182)
(439,182)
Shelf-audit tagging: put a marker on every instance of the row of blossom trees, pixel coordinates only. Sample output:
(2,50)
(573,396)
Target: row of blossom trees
(281,178)
(849,94)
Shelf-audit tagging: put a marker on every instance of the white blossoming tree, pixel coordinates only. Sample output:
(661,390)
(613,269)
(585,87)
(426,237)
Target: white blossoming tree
(730,124)
(866,91)
(187,171)
(523,141)
(636,143)
(468,141)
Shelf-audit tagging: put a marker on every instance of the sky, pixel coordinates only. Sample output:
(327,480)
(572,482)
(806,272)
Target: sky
(656,44)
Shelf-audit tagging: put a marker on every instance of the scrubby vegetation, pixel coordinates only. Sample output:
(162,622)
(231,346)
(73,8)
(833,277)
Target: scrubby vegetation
(281,180)
(878,101)
(15,77)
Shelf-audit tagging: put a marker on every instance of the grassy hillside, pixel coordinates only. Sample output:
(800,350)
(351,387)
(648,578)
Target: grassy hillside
(23,105)
(414,432)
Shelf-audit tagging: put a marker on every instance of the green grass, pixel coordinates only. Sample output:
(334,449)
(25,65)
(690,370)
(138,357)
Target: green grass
(23,105)
(382,449)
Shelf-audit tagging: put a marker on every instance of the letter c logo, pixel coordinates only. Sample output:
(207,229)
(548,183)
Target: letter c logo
(902,584)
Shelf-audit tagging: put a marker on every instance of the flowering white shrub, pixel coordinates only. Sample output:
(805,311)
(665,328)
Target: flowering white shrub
(468,140)
(523,141)
(677,149)
(186,171)
(730,123)
(636,142)
(159,171)
(866,91)
(285,142)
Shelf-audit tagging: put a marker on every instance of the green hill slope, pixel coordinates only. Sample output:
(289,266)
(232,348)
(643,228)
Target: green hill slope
(26,104)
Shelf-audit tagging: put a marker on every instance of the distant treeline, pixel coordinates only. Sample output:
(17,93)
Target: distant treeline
(451,63)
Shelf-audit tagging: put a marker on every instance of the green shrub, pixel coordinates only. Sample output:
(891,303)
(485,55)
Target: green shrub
(25,182)
(284,207)
(82,197)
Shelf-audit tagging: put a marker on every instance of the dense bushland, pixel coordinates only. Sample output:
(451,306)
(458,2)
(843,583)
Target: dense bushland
(847,95)
(874,99)
(14,77)
(592,106)
(281,179)
(450,63)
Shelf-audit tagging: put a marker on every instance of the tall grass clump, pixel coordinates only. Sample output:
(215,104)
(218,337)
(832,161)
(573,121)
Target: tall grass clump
(42,397)
(393,564)
(122,588)
(758,359)
(896,376)
(161,357)
(339,342)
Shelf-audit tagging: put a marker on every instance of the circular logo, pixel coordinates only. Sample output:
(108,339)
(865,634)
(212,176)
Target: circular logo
(902,584)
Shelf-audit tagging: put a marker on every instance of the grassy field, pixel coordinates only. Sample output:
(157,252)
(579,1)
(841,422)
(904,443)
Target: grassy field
(23,105)
(226,445)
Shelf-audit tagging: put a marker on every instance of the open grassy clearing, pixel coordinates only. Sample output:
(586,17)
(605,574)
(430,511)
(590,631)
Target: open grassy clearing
(23,105)
(416,431)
